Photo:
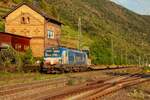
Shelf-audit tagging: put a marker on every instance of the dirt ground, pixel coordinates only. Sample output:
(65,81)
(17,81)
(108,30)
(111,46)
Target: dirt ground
(137,92)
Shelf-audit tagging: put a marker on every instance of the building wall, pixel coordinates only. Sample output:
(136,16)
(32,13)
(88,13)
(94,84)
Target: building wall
(5,39)
(20,44)
(34,27)
(57,32)
(17,42)
(37,45)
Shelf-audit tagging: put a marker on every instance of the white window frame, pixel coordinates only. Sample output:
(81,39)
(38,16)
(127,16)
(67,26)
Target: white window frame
(50,36)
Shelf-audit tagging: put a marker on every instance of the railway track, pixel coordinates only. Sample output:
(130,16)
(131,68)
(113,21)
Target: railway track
(7,92)
(113,68)
(57,89)
(109,88)
(92,91)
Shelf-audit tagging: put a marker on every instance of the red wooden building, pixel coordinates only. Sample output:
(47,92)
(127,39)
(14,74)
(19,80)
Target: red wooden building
(19,43)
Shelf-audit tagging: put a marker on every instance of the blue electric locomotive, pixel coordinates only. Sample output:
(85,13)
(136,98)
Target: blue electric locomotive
(61,55)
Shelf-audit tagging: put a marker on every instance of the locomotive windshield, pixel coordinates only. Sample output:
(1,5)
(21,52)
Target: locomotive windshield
(52,52)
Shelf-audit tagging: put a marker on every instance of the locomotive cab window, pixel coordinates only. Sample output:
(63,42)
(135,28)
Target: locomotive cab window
(50,34)
(52,53)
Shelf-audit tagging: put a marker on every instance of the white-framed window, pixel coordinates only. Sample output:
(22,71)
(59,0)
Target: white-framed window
(50,34)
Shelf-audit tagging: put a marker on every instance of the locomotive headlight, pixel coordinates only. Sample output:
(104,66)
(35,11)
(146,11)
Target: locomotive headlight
(47,61)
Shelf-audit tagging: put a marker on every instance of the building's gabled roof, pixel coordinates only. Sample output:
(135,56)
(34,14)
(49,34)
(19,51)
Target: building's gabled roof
(46,16)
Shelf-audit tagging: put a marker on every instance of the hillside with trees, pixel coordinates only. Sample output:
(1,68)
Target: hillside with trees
(113,34)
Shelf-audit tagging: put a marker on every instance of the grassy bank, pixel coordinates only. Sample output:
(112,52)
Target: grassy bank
(7,78)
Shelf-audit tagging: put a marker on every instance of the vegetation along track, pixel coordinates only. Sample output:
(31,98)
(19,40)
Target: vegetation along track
(94,90)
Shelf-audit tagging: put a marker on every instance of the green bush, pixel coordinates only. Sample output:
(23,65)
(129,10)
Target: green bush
(11,58)
(17,1)
(146,69)
(100,53)
(71,82)
(2,26)
(7,56)
(29,1)
(44,5)
(28,57)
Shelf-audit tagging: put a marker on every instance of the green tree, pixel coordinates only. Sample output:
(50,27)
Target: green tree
(28,57)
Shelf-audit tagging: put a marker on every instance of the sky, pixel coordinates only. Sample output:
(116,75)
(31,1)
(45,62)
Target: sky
(139,6)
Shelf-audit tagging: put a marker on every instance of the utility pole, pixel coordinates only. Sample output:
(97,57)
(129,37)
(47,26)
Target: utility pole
(139,61)
(142,55)
(121,56)
(112,51)
(79,33)
(126,54)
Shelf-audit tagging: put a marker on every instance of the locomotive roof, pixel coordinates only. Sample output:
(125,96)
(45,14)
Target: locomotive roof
(75,49)
(69,48)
